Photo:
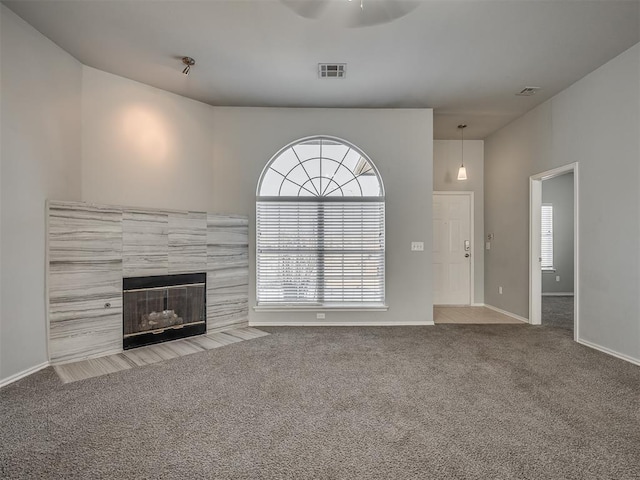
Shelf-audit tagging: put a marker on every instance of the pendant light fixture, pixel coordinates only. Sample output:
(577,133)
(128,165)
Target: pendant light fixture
(462,172)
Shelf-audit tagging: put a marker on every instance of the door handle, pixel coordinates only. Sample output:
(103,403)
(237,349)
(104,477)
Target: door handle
(467,245)
(466,255)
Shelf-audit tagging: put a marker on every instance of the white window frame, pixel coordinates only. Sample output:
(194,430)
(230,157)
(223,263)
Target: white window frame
(337,198)
(546,238)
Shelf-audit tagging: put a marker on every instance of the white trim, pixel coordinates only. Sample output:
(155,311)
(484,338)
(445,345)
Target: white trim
(318,308)
(453,305)
(508,314)
(608,351)
(472,221)
(535,246)
(25,373)
(535,273)
(557,294)
(314,323)
(576,249)
(478,305)
(452,192)
(47,281)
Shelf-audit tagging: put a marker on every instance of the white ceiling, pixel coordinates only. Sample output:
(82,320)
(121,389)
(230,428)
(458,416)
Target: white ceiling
(465,59)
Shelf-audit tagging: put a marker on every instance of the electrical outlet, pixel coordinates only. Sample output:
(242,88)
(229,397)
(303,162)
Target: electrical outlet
(557,278)
(320,316)
(500,290)
(417,246)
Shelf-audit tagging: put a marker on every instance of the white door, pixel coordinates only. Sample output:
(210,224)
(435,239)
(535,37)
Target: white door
(452,249)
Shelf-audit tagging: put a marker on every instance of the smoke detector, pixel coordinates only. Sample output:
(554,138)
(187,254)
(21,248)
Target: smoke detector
(332,70)
(528,91)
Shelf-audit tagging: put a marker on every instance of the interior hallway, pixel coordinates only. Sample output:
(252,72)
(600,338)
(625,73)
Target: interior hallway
(557,311)
(471,315)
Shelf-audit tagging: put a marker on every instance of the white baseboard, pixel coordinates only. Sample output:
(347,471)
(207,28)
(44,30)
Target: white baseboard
(557,294)
(608,351)
(508,314)
(477,304)
(25,373)
(340,324)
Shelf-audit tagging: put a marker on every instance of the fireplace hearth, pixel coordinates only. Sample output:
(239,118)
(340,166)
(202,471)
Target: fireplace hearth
(161,308)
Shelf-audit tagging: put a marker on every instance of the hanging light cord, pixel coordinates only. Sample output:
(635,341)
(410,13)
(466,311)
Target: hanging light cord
(462,144)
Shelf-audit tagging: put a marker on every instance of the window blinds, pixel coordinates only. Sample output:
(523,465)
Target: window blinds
(320,252)
(546,253)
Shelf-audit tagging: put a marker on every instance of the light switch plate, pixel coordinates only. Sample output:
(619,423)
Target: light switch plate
(417,246)
(488,246)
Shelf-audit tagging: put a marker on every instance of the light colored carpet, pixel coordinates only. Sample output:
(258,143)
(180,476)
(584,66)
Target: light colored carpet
(443,402)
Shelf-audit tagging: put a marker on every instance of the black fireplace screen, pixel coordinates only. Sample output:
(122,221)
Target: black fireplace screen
(163,308)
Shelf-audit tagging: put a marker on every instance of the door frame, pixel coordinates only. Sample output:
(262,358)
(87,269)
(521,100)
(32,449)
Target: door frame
(470,194)
(535,273)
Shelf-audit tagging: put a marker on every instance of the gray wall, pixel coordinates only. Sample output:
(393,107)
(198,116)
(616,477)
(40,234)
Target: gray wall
(40,149)
(558,191)
(446,162)
(211,158)
(594,122)
(144,147)
(400,144)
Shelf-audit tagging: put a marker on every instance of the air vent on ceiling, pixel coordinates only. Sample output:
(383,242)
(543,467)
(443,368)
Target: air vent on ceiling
(332,70)
(528,91)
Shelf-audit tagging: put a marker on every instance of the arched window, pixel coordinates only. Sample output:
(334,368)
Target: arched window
(320,227)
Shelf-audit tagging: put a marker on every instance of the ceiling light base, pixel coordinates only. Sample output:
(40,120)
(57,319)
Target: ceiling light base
(189,62)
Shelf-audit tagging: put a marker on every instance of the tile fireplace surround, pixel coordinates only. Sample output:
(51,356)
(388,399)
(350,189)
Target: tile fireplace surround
(91,248)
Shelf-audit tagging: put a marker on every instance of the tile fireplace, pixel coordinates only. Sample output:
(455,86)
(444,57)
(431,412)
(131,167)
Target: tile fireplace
(91,248)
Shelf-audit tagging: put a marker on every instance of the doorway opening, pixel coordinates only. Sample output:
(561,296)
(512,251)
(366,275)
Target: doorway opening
(553,248)
(453,264)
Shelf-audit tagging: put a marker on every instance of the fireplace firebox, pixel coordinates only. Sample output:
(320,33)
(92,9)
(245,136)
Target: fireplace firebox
(161,308)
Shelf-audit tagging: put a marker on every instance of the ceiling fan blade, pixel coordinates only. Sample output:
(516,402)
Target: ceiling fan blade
(354,13)
(307,8)
(378,12)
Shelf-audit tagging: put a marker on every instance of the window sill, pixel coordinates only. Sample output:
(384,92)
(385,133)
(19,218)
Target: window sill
(549,270)
(320,308)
